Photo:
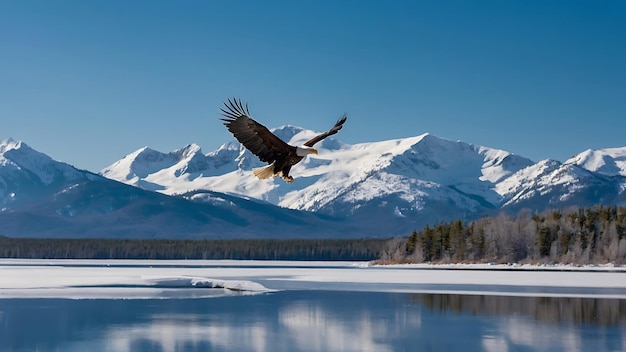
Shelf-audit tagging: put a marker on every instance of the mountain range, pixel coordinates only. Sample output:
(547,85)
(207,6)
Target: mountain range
(377,189)
(41,197)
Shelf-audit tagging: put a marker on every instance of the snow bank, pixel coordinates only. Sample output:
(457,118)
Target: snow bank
(200,279)
(530,267)
(89,279)
(202,282)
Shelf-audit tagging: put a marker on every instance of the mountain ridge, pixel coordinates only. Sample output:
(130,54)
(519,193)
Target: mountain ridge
(41,197)
(343,165)
(420,177)
(374,189)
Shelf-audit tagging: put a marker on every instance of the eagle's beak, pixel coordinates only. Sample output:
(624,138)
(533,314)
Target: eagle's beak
(315,151)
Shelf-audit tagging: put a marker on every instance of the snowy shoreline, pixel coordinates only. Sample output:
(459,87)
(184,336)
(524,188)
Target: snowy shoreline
(287,263)
(529,267)
(135,279)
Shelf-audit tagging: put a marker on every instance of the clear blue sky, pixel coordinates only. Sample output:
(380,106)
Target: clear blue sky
(88,82)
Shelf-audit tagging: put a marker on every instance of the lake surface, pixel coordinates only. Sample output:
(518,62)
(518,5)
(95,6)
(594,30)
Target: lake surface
(295,313)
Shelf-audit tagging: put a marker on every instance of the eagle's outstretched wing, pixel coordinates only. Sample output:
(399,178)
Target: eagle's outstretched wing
(330,132)
(253,135)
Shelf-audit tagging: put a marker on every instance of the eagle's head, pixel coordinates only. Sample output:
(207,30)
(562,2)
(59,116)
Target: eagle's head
(304,151)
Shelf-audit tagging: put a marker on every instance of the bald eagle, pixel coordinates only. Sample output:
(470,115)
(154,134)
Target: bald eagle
(266,145)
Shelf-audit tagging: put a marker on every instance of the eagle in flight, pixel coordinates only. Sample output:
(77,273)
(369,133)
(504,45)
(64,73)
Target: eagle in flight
(266,145)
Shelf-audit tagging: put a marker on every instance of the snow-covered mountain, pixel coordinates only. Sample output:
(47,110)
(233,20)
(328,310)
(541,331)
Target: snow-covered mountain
(377,189)
(608,162)
(354,173)
(41,197)
(27,174)
(392,185)
(551,184)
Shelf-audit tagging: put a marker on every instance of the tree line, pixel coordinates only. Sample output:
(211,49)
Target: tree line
(260,249)
(575,236)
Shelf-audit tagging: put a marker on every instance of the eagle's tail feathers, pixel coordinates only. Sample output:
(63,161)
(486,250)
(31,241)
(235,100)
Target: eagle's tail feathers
(264,172)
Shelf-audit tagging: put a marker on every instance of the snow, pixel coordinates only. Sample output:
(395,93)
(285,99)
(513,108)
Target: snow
(409,169)
(409,182)
(609,161)
(22,157)
(544,178)
(117,279)
(99,279)
(24,170)
(519,184)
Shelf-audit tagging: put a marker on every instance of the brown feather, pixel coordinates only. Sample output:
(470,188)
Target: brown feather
(263,143)
(253,135)
(338,125)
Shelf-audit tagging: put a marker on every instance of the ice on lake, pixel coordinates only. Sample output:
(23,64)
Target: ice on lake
(166,279)
(307,306)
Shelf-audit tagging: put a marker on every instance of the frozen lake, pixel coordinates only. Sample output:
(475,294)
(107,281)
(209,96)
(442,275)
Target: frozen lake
(307,306)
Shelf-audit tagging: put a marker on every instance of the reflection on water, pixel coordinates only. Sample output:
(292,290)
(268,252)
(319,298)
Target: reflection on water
(540,323)
(546,309)
(315,321)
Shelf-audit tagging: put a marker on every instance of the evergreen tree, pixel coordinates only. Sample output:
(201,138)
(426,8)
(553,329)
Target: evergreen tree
(411,243)
(544,241)
(575,235)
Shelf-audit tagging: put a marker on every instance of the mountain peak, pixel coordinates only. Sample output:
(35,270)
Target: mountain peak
(144,155)
(136,165)
(608,161)
(10,144)
(24,172)
(190,150)
(387,187)
(287,132)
